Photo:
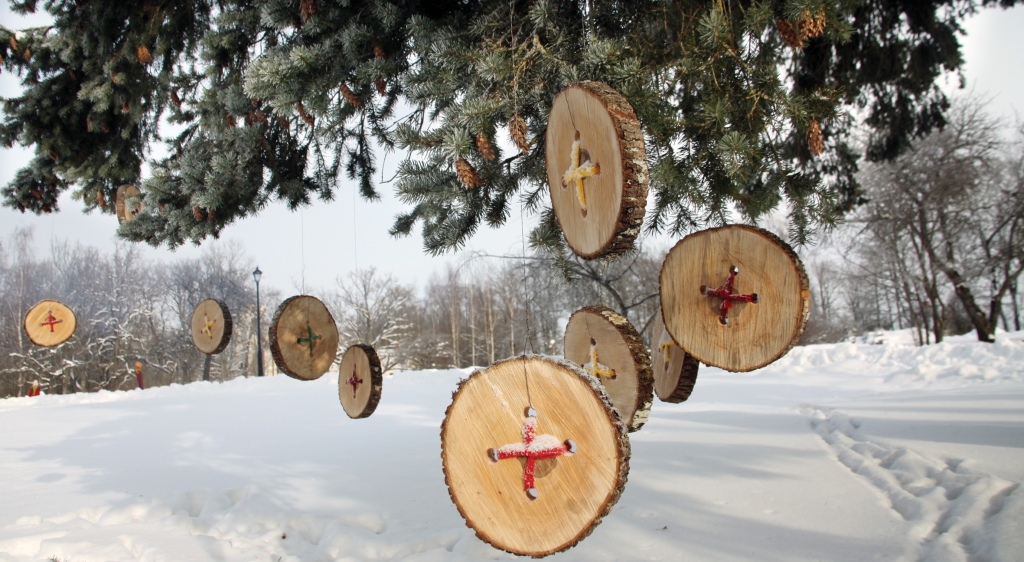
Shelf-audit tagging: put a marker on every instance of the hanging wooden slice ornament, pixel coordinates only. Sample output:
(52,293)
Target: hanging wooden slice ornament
(533,480)
(360,381)
(211,326)
(303,338)
(128,203)
(675,371)
(597,169)
(610,349)
(734,297)
(50,323)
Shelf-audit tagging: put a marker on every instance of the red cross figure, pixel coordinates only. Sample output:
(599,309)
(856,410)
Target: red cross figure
(354,381)
(533,447)
(725,292)
(51,320)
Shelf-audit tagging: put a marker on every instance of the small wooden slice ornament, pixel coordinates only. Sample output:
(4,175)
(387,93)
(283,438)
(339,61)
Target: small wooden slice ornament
(533,480)
(610,349)
(360,381)
(128,203)
(675,371)
(597,169)
(734,297)
(50,323)
(211,326)
(303,338)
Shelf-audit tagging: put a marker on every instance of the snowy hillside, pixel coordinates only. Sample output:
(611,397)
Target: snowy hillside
(835,452)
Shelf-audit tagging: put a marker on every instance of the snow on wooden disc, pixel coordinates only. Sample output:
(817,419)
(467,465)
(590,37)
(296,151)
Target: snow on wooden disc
(622,365)
(50,323)
(211,326)
(303,338)
(675,371)
(128,203)
(756,333)
(573,491)
(360,381)
(597,169)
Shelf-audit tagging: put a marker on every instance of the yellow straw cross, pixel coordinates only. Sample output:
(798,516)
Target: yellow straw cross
(578,172)
(595,367)
(208,330)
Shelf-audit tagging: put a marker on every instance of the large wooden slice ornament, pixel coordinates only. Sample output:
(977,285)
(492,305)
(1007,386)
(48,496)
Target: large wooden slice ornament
(211,326)
(360,381)
(608,347)
(533,480)
(128,203)
(734,297)
(50,323)
(597,169)
(675,370)
(303,338)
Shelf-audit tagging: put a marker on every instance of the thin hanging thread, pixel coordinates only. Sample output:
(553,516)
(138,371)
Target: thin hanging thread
(302,246)
(522,203)
(355,231)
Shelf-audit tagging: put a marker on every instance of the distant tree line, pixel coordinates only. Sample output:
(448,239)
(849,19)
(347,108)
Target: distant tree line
(937,249)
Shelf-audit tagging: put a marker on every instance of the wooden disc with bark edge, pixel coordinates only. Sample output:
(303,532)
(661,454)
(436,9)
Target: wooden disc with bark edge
(293,321)
(575,492)
(128,203)
(756,334)
(216,339)
(675,371)
(361,401)
(611,135)
(619,347)
(46,331)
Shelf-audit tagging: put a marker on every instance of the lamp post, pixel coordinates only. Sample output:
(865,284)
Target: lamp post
(259,332)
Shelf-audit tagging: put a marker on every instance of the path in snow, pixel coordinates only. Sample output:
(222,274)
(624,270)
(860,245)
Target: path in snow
(956,513)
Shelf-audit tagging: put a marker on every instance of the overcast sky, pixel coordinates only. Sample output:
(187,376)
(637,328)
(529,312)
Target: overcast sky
(327,240)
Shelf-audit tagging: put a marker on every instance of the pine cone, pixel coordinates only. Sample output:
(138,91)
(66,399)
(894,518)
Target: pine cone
(483,144)
(101,200)
(789,35)
(814,140)
(378,52)
(467,174)
(811,26)
(210,215)
(307,9)
(26,55)
(14,44)
(305,114)
(230,119)
(517,130)
(126,108)
(197,213)
(382,86)
(350,96)
(175,99)
(143,54)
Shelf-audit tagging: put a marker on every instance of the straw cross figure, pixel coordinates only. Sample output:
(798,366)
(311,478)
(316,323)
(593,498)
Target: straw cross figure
(354,381)
(208,328)
(310,339)
(577,172)
(533,448)
(595,367)
(51,320)
(728,295)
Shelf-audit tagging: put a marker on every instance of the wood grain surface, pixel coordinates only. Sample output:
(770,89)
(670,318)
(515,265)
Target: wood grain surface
(296,321)
(574,492)
(211,326)
(610,137)
(128,203)
(50,323)
(360,381)
(619,348)
(757,333)
(675,371)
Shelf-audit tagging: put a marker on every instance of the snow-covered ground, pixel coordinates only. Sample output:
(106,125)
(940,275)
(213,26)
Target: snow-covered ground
(835,452)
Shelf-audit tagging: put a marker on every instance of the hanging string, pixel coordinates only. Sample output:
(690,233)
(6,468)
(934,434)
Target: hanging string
(302,246)
(355,231)
(522,202)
